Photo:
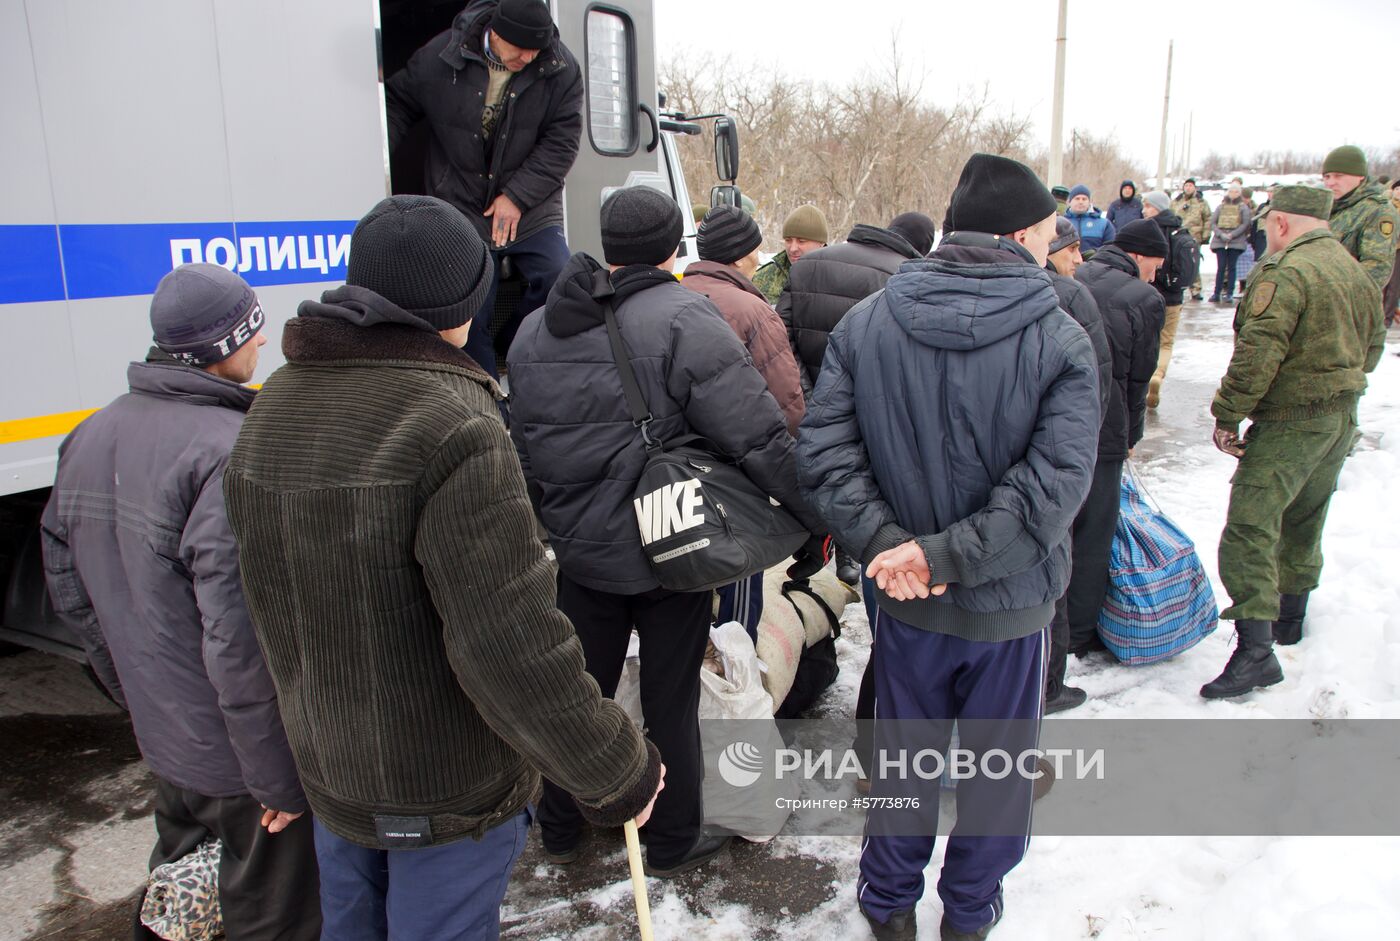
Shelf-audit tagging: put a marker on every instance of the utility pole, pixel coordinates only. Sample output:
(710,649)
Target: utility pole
(1166,106)
(1190,125)
(1057,120)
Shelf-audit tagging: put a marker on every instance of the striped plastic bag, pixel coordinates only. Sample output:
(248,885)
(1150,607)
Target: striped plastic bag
(1160,601)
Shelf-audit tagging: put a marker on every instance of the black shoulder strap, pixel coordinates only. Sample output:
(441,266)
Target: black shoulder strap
(804,586)
(636,402)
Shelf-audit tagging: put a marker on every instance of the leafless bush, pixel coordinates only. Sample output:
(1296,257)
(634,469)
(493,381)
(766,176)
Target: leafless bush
(862,152)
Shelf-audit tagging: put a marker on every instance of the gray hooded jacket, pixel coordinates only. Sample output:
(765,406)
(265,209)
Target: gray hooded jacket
(141,561)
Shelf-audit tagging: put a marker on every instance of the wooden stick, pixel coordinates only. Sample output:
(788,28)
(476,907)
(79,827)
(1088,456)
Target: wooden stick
(639,879)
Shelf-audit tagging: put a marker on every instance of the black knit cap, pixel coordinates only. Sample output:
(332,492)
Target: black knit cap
(727,234)
(998,195)
(523,23)
(1142,237)
(915,228)
(641,226)
(422,254)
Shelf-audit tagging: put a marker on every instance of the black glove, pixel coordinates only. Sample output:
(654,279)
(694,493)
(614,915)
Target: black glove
(811,558)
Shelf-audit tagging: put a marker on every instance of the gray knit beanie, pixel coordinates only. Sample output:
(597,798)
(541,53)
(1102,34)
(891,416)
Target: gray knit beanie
(202,314)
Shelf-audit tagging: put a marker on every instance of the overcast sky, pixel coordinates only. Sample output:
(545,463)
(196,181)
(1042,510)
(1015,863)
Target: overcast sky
(1230,68)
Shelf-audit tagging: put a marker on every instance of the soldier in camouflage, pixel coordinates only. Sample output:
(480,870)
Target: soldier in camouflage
(1195,217)
(804,231)
(1308,331)
(1363,217)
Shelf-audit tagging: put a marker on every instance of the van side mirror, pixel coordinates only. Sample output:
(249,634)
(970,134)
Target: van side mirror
(725,195)
(726,149)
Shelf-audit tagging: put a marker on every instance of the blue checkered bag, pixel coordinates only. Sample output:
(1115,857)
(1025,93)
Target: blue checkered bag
(1159,600)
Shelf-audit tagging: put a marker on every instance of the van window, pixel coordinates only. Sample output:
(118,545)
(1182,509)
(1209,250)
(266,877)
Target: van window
(612,109)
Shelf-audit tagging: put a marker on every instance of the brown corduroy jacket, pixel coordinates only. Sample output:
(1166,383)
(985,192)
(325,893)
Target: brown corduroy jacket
(404,603)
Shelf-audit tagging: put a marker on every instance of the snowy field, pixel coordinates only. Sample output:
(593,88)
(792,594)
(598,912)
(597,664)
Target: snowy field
(1110,888)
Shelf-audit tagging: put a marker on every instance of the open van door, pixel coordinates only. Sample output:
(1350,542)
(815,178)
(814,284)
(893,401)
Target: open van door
(615,44)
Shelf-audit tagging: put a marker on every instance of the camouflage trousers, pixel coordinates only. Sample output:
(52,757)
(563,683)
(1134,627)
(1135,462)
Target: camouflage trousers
(1279,496)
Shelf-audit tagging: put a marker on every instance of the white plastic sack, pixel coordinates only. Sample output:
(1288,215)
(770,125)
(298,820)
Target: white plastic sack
(735,710)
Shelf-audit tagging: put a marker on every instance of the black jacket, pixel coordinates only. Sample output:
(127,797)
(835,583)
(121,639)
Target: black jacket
(960,405)
(582,454)
(142,561)
(1133,314)
(536,138)
(1182,262)
(1076,300)
(827,282)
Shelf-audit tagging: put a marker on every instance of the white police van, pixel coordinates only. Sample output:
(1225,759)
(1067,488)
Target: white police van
(142,134)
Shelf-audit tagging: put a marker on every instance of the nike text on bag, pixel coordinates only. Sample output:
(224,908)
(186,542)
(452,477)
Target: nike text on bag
(702,522)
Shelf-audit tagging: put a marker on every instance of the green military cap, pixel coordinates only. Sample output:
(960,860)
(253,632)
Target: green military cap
(1302,201)
(1346,159)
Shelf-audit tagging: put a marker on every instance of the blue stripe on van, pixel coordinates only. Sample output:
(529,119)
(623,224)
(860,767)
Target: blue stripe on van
(122,260)
(30,269)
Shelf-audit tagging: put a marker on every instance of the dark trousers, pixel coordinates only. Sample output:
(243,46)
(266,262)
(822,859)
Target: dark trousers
(921,675)
(267,882)
(1225,270)
(451,892)
(1093,541)
(864,743)
(1059,650)
(539,259)
(743,602)
(673,628)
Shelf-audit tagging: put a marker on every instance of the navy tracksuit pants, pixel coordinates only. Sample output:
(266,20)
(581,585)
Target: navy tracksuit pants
(920,675)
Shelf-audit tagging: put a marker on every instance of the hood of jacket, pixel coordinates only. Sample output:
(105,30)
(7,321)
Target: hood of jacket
(578,299)
(163,377)
(964,297)
(468,28)
(726,273)
(883,238)
(1167,221)
(1128,183)
(1114,257)
(354,324)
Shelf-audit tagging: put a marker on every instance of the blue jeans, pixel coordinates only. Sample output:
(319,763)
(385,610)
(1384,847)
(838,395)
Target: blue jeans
(451,892)
(920,675)
(539,259)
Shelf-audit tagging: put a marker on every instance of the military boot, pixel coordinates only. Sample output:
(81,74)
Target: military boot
(1288,629)
(1251,666)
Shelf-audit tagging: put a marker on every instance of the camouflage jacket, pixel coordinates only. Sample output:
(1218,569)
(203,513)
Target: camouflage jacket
(1366,223)
(1306,333)
(1195,216)
(773,277)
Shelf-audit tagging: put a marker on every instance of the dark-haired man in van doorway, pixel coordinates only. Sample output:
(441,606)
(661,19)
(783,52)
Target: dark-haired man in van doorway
(503,98)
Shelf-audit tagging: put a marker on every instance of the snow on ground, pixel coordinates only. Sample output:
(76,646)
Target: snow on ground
(1171,888)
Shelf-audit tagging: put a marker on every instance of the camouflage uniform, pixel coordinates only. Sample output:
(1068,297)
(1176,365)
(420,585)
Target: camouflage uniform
(773,277)
(1366,223)
(1195,218)
(1307,332)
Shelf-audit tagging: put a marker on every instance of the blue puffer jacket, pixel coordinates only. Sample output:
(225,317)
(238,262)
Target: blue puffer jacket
(1093,228)
(960,404)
